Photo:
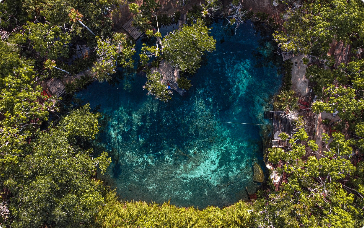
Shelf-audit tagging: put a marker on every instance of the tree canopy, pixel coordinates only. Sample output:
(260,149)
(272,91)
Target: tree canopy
(314,192)
(311,27)
(185,47)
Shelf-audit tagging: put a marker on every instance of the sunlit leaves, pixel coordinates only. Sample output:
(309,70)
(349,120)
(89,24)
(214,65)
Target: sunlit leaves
(155,86)
(20,103)
(48,41)
(314,188)
(135,214)
(74,15)
(81,123)
(312,27)
(134,8)
(184,48)
(55,186)
(286,100)
(110,52)
(342,99)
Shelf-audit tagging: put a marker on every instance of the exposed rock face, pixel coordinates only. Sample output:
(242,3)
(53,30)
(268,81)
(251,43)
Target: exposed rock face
(258,173)
(299,80)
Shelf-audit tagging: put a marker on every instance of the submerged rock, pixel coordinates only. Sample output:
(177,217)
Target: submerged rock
(258,173)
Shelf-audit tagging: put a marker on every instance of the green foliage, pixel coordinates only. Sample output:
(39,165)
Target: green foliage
(75,85)
(47,41)
(287,75)
(156,88)
(111,51)
(236,2)
(134,8)
(149,32)
(164,20)
(20,103)
(283,136)
(126,50)
(56,12)
(286,100)
(305,61)
(141,214)
(81,117)
(53,28)
(321,22)
(313,194)
(196,13)
(342,99)
(48,174)
(276,154)
(185,47)
(359,131)
(297,150)
(106,63)
(53,186)
(146,52)
(312,144)
(144,14)
(184,83)
(357,185)
(323,77)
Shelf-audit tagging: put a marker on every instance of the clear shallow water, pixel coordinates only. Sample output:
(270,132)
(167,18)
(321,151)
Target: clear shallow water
(191,151)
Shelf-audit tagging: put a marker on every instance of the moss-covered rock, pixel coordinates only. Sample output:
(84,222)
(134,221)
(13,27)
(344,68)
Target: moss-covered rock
(258,173)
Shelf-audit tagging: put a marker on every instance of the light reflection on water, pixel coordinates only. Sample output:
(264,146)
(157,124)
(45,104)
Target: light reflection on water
(185,150)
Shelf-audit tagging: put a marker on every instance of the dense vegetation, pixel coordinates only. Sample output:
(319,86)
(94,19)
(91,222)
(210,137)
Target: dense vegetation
(323,188)
(48,161)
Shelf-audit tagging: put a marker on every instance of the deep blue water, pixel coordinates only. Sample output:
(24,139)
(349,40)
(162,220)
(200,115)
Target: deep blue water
(193,150)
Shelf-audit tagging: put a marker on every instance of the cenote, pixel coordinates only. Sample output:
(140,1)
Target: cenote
(193,150)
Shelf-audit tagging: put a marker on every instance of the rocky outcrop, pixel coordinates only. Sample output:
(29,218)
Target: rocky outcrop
(258,173)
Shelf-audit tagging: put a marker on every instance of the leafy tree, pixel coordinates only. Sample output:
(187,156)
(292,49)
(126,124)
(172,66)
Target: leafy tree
(144,14)
(21,102)
(53,186)
(135,214)
(321,22)
(343,100)
(155,86)
(148,51)
(286,100)
(56,12)
(283,136)
(53,28)
(47,41)
(111,51)
(76,16)
(185,47)
(313,191)
(48,174)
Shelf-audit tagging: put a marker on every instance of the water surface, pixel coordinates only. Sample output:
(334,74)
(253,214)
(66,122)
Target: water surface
(193,150)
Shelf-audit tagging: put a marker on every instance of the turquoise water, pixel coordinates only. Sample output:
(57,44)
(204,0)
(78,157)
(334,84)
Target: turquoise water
(193,150)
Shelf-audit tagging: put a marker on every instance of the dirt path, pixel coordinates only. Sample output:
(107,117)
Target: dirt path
(299,80)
